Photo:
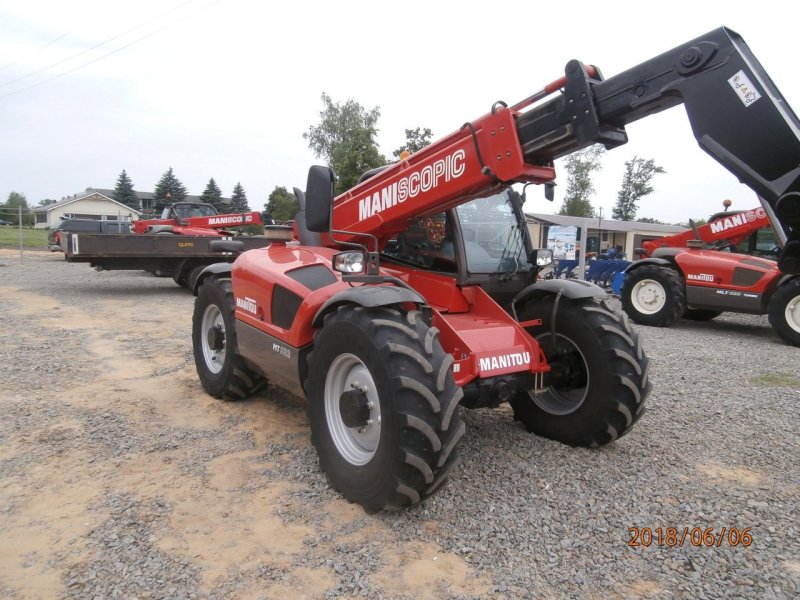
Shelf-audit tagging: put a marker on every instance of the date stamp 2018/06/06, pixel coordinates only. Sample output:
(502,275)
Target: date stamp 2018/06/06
(689,536)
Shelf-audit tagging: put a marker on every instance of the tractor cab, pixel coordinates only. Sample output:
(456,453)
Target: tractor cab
(484,241)
(181,211)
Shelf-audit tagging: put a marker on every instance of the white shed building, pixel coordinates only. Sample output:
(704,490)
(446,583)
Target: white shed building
(91,205)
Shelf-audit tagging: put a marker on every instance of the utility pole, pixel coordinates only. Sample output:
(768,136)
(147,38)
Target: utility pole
(599,228)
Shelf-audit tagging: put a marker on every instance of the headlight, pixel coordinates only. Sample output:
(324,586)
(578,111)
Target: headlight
(544,257)
(349,262)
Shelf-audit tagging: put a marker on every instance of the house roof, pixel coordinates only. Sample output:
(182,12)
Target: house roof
(89,192)
(606,224)
(151,195)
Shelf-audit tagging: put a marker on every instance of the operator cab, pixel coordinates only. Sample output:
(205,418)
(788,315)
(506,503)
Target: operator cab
(186,210)
(484,233)
(483,241)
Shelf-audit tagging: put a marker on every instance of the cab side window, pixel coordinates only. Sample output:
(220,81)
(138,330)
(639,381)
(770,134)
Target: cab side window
(426,243)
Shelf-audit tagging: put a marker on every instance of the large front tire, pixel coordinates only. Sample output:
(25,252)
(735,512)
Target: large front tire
(599,377)
(654,295)
(383,406)
(223,373)
(784,312)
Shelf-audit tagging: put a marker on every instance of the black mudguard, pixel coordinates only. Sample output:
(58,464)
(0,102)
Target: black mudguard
(661,262)
(211,270)
(573,289)
(368,297)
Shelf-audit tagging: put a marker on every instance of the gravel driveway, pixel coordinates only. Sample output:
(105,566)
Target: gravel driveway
(120,477)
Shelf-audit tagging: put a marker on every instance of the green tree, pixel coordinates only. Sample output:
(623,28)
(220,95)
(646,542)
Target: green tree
(635,186)
(213,195)
(239,200)
(650,220)
(168,189)
(580,167)
(282,204)
(697,223)
(416,140)
(123,192)
(345,138)
(10,210)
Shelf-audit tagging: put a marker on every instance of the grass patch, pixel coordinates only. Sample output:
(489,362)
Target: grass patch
(776,380)
(31,238)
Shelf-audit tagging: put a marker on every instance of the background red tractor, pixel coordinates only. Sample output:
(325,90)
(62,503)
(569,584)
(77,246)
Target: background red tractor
(198,218)
(708,270)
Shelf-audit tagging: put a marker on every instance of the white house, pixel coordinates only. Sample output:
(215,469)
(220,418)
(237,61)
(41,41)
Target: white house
(90,205)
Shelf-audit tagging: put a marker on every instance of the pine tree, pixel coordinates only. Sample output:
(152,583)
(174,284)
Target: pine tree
(213,195)
(168,189)
(239,200)
(124,194)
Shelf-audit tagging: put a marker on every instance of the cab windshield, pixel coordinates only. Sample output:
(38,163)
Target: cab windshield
(186,211)
(492,239)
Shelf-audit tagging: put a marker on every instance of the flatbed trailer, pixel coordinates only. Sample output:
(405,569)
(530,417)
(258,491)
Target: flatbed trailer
(181,257)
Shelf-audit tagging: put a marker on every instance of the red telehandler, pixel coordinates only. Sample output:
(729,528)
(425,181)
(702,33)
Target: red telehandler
(708,270)
(197,218)
(415,293)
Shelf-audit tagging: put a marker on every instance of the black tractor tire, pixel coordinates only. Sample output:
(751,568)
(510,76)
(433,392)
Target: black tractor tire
(701,314)
(188,275)
(388,366)
(783,312)
(654,295)
(193,275)
(223,373)
(599,379)
(181,279)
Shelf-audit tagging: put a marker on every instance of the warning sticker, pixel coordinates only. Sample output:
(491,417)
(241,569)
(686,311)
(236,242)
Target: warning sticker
(744,88)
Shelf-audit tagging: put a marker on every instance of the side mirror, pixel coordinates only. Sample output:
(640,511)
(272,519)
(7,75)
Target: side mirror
(550,191)
(319,197)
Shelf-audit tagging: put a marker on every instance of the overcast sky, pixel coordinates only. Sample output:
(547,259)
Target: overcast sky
(226,88)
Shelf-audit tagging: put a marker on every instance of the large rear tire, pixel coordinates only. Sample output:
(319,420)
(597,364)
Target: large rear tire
(599,378)
(784,312)
(654,295)
(383,406)
(223,373)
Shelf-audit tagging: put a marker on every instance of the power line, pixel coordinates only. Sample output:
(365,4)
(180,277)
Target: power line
(35,52)
(103,43)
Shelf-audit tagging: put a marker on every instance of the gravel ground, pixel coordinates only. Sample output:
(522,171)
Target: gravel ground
(120,478)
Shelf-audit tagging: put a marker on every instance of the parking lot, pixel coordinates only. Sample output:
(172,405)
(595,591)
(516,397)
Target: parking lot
(120,477)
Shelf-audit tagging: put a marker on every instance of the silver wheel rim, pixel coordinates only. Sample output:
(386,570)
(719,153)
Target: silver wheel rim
(357,445)
(648,296)
(562,402)
(213,332)
(792,313)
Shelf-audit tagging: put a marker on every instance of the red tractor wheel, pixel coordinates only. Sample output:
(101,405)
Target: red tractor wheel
(654,295)
(222,371)
(784,312)
(598,378)
(383,406)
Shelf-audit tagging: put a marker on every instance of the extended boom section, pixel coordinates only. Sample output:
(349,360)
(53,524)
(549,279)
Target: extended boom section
(736,112)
